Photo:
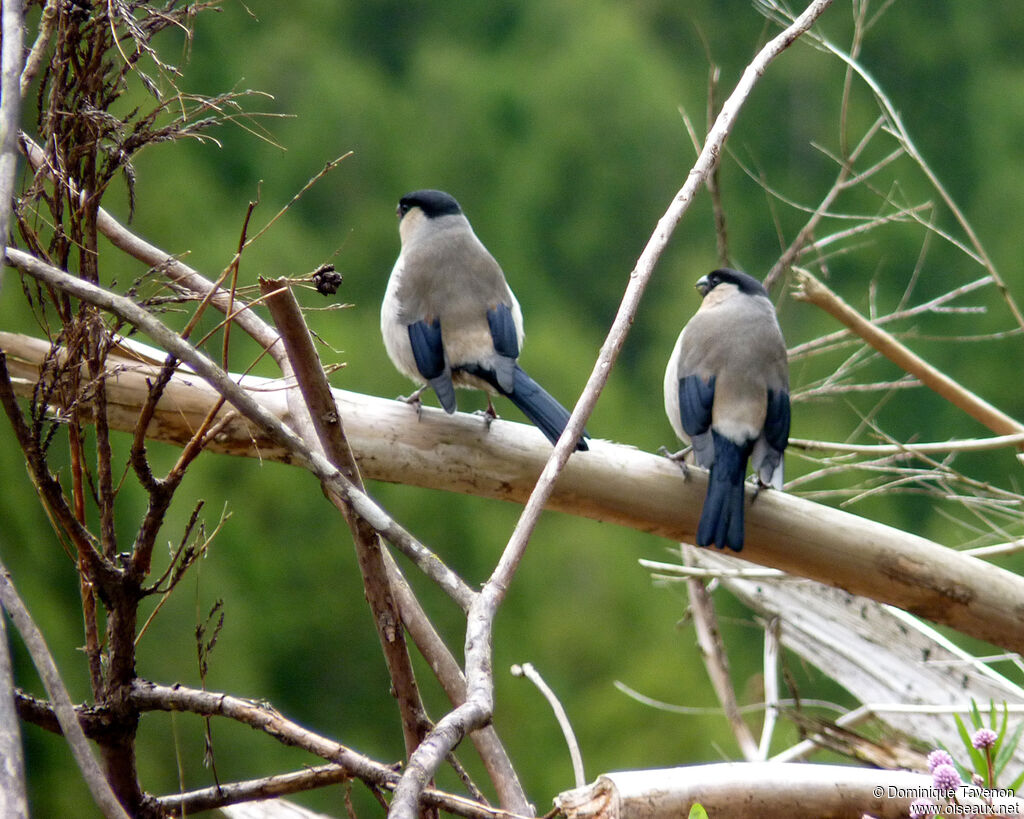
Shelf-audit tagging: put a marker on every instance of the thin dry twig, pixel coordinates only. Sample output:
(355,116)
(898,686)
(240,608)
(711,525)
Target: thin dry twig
(844,181)
(58,694)
(233,793)
(11,22)
(35,58)
(772,649)
(930,448)
(330,431)
(934,305)
(806,747)
(164,262)
(150,696)
(899,131)
(449,674)
(813,291)
(330,166)
(13,796)
(716,661)
(527,670)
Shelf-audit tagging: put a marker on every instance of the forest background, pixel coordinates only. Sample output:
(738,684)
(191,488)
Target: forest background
(557,125)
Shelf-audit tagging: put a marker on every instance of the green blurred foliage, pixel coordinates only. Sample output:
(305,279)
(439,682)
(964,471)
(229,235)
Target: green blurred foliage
(557,125)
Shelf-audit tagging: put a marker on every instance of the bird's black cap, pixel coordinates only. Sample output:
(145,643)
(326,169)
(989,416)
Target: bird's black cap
(432,203)
(744,282)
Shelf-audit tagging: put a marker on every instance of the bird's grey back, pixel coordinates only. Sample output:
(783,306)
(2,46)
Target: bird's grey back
(751,324)
(428,287)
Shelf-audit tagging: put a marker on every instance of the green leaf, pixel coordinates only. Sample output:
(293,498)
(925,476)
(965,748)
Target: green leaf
(975,715)
(697,812)
(977,757)
(1015,785)
(965,735)
(1000,734)
(1004,750)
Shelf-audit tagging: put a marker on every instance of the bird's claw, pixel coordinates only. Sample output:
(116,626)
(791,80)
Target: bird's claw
(414,401)
(759,487)
(489,415)
(679,458)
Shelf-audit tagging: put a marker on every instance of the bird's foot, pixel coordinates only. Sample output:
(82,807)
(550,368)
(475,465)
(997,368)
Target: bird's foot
(759,487)
(414,401)
(489,414)
(679,458)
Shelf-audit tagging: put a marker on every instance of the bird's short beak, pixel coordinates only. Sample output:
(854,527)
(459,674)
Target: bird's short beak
(702,286)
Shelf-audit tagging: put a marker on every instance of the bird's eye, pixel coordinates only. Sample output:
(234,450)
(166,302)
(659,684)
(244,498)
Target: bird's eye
(402,209)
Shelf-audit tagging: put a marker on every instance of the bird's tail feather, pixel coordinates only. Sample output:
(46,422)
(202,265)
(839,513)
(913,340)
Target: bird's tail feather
(721,520)
(444,389)
(540,407)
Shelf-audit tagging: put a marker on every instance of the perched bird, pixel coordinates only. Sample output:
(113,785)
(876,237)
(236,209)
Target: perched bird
(727,391)
(449,318)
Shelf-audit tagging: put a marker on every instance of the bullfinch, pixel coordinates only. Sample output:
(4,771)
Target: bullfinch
(449,318)
(727,392)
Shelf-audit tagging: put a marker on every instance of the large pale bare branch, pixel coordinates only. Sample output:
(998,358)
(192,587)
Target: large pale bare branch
(612,483)
(768,790)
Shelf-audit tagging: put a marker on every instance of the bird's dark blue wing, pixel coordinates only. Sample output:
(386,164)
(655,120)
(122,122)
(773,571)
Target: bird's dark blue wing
(776,421)
(428,351)
(506,345)
(503,331)
(696,397)
(427,348)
